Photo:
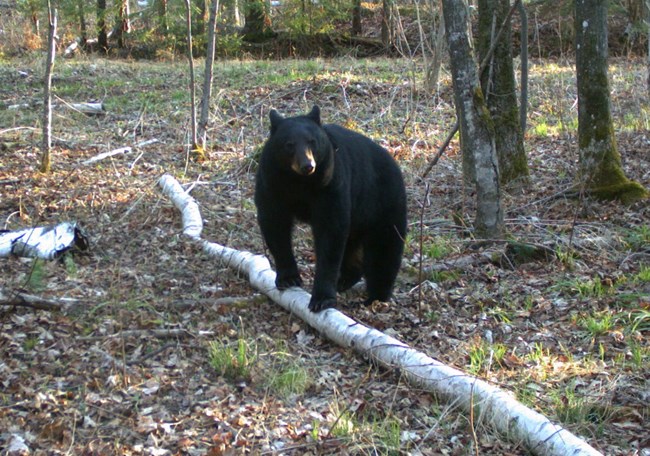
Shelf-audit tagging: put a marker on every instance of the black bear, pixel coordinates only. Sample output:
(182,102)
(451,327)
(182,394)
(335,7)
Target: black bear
(349,189)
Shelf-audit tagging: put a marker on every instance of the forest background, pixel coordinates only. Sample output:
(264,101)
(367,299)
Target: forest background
(155,348)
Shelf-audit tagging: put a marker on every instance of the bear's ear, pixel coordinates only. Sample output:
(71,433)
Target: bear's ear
(276,119)
(314,114)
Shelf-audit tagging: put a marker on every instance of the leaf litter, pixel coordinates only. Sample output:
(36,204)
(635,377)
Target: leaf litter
(125,368)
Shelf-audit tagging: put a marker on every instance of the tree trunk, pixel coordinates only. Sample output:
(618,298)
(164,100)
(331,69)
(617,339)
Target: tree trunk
(123,22)
(33,7)
(231,12)
(81,16)
(499,87)
(480,162)
(102,34)
(356,18)
(257,25)
(433,48)
(601,172)
(647,24)
(387,24)
(47,110)
(202,17)
(190,58)
(161,8)
(523,34)
(208,76)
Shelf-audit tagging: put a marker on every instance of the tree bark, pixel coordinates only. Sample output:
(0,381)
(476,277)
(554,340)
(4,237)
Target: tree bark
(601,172)
(387,24)
(202,17)
(161,9)
(81,16)
(190,58)
(499,87)
(123,22)
(47,108)
(102,34)
(496,407)
(208,75)
(356,18)
(480,161)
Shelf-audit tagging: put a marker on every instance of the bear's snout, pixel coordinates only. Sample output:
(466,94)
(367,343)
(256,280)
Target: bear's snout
(304,163)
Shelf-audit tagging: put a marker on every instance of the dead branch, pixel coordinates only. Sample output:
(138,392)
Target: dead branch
(18,298)
(156,333)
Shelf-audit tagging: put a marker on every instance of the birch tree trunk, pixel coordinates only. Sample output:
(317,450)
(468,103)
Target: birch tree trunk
(490,405)
(499,88)
(480,161)
(47,109)
(601,172)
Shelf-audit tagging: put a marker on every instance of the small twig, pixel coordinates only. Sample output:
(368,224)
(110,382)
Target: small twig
(442,149)
(151,354)
(157,333)
(423,205)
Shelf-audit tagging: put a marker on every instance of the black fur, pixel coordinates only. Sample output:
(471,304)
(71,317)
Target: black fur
(348,189)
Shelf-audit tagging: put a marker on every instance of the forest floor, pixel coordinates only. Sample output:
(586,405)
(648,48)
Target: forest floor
(567,334)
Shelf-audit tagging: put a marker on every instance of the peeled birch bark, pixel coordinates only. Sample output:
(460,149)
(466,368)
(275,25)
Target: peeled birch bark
(493,406)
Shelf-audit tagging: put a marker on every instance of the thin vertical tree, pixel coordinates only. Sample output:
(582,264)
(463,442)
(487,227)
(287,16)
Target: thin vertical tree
(190,58)
(499,87)
(123,25)
(356,18)
(81,17)
(388,23)
(480,162)
(601,173)
(208,75)
(47,92)
(161,7)
(102,33)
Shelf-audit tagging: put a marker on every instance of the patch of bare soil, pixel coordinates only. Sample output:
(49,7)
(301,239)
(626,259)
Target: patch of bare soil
(125,366)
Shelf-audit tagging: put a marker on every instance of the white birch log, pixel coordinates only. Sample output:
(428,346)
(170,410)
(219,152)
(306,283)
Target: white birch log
(495,407)
(96,109)
(110,153)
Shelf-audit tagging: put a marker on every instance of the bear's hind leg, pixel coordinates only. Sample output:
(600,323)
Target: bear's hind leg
(351,267)
(381,262)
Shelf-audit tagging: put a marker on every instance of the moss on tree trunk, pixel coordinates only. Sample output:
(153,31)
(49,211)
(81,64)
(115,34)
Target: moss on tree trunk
(499,87)
(601,172)
(476,129)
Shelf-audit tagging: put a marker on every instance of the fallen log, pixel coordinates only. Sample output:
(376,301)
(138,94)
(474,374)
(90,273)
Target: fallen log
(495,407)
(46,242)
(20,299)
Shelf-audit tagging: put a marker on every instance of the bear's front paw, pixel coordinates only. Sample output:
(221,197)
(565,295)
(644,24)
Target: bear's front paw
(316,305)
(284,282)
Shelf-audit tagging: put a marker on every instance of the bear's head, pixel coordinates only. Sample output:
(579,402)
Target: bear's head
(300,143)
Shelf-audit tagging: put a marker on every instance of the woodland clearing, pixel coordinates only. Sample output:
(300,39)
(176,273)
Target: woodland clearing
(129,367)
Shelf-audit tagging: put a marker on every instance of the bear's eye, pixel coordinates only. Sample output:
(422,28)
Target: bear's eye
(289,145)
(311,142)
